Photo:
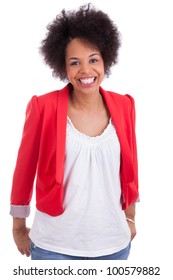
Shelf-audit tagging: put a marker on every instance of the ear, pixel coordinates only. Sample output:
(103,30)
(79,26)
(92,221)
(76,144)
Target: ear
(65,77)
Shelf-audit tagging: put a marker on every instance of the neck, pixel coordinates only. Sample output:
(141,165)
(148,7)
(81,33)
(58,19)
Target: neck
(87,102)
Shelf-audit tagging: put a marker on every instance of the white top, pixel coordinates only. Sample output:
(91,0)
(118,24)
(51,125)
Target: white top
(93,223)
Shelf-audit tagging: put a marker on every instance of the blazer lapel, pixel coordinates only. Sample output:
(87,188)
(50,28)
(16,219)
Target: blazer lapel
(127,164)
(62,107)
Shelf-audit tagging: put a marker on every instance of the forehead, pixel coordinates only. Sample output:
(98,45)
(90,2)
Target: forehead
(79,46)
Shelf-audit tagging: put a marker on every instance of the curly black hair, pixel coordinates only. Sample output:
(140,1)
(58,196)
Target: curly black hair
(88,24)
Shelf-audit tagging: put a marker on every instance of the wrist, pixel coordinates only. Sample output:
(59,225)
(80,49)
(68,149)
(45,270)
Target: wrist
(19,224)
(131,220)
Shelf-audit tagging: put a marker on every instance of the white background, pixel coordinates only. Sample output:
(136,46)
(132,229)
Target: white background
(144,70)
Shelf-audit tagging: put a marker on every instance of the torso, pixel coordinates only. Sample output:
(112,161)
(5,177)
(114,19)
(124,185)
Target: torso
(93,223)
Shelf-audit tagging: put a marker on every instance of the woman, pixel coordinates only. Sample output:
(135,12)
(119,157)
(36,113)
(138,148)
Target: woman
(79,142)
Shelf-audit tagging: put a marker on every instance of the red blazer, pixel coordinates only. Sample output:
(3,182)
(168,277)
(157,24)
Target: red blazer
(42,150)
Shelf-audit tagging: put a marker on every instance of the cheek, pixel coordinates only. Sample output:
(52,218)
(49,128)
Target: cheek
(101,68)
(71,73)
(101,71)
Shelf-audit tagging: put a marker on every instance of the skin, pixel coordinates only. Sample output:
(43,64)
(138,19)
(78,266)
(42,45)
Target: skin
(130,213)
(86,109)
(21,236)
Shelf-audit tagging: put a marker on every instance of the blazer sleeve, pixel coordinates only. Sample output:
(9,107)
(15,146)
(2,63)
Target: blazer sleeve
(133,145)
(26,164)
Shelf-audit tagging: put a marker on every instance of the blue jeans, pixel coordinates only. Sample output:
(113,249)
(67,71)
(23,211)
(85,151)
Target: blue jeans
(42,254)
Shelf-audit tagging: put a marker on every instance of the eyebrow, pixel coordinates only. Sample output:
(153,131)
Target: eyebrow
(76,58)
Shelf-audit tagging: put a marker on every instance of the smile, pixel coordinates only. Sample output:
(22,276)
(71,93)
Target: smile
(87,81)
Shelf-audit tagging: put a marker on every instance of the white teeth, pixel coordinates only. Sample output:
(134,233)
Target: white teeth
(87,81)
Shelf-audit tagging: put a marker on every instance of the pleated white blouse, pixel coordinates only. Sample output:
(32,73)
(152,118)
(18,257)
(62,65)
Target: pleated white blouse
(93,223)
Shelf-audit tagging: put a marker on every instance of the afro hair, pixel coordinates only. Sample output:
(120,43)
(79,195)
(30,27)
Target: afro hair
(87,24)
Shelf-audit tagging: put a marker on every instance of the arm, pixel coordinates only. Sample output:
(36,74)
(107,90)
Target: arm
(24,175)
(130,215)
(21,236)
(26,164)
(133,145)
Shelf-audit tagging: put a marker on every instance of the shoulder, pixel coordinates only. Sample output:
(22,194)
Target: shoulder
(48,100)
(121,100)
(126,99)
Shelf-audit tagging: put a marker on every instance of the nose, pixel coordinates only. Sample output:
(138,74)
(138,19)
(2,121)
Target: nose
(85,68)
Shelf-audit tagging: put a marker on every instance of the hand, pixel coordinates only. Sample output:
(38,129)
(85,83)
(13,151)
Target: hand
(132,229)
(22,240)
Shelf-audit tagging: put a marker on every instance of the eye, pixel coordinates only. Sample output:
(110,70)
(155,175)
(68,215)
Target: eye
(93,60)
(74,63)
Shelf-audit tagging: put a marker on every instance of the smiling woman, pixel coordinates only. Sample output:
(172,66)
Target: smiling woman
(80,144)
(84,64)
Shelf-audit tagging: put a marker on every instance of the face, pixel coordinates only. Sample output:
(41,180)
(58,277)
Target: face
(84,66)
